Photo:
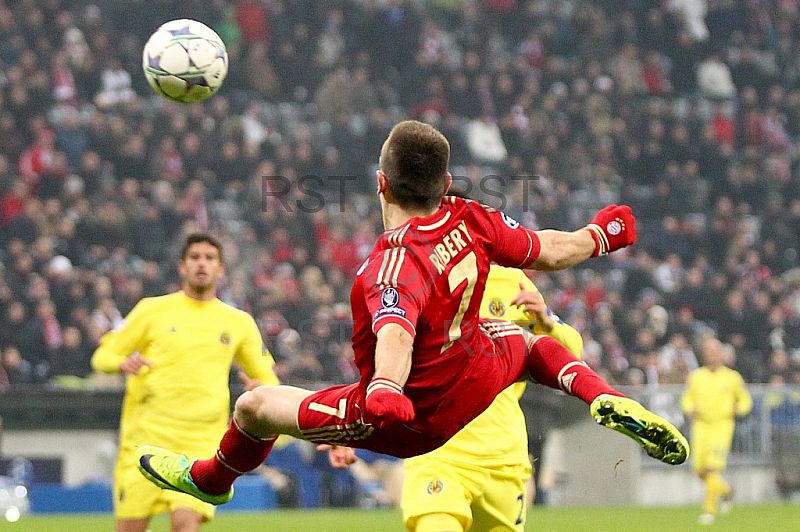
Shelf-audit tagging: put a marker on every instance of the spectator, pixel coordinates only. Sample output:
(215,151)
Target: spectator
(655,75)
(252,20)
(65,91)
(14,370)
(485,141)
(693,13)
(261,76)
(628,71)
(13,202)
(106,316)
(707,164)
(48,324)
(333,98)
(38,159)
(72,137)
(677,359)
(72,357)
(20,332)
(714,78)
(116,86)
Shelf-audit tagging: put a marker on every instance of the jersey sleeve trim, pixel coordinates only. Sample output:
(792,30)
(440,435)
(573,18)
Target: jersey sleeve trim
(530,248)
(387,384)
(534,249)
(600,240)
(386,319)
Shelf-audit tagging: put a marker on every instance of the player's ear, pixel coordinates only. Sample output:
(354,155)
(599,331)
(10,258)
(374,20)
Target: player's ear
(448,183)
(382,181)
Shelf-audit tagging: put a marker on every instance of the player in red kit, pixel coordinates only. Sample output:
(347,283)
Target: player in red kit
(428,364)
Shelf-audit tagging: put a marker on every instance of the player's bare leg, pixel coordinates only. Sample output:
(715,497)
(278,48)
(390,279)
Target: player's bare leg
(259,417)
(551,364)
(270,410)
(185,520)
(132,525)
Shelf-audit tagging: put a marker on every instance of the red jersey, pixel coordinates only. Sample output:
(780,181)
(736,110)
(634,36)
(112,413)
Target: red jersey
(428,276)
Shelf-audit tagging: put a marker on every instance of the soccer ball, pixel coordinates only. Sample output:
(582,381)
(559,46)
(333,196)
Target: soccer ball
(185,61)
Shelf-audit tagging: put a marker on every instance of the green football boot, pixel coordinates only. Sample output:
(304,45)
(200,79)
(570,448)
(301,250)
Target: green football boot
(659,438)
(170,471)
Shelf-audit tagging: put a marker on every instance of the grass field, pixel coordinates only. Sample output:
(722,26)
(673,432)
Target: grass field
(744,518)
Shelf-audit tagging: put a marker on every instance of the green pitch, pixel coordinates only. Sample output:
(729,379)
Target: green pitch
(744,518)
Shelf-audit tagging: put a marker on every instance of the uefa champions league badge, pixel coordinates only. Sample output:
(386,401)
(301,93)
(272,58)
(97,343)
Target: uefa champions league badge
(511,222)
(390,298)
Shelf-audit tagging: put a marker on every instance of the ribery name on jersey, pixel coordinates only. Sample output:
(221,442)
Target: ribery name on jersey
(451,244)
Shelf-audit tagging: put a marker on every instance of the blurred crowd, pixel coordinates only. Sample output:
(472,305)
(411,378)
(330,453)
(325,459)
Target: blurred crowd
(687,110)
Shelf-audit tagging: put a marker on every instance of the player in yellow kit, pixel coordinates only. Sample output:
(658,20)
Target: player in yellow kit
(476,481)
(177,350)
(715,394)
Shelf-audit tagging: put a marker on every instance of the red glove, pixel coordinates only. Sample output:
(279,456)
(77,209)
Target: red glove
(386,404)
(613,228)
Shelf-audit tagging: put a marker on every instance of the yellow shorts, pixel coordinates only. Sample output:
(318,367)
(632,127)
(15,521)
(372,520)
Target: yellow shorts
(481,498)
(135,497)
(710,445)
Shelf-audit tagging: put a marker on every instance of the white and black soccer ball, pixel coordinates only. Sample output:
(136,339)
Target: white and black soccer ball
(185,61)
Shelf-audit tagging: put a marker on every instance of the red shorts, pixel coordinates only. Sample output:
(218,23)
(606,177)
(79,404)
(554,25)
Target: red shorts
(334,415)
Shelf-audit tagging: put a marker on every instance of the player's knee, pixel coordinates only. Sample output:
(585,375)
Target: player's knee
(250,404)
(262,405)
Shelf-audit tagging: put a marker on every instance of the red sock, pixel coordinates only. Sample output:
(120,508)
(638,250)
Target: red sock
(238,453)
(552,364)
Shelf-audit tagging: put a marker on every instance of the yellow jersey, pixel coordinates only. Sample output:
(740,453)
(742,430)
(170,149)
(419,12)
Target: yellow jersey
(191,345)
(714,396)
(499,436)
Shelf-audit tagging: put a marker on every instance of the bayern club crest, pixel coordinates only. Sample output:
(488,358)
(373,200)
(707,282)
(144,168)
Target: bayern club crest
(614,227)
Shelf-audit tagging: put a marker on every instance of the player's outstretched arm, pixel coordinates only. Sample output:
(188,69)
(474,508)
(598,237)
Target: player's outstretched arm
(385,403)
(613,228)
(561,250)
